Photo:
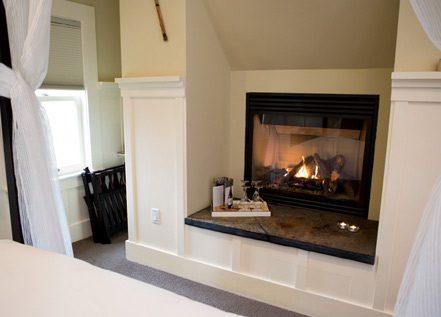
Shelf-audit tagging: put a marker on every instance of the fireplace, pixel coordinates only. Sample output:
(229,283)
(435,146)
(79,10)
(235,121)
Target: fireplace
(312,150)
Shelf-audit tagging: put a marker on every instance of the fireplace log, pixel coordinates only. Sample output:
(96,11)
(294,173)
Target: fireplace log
(308,162)
(323,169)
(330,178)
(337,163)
(348,187)
(307,183)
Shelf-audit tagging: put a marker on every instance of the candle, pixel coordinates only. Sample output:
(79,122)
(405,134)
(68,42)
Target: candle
(342,225)
(353,228)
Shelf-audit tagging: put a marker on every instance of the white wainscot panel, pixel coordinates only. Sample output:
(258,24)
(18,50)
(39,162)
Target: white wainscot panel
(340,278)
(76,203)
(209,247)
(412,166)
(155,124)
(269,261)
(421,134)
(414,142)
(72,193)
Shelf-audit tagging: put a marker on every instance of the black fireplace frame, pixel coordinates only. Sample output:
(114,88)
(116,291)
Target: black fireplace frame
(331,105)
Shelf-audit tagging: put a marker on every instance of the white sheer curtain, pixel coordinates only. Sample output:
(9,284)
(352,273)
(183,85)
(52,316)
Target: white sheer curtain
(42,213)
(429,15)
(420,290)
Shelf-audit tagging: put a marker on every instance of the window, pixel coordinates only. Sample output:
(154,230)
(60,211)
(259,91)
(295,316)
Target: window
(67,115)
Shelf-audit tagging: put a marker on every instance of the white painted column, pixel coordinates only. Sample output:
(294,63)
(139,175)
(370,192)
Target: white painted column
(154,135)
(413,164)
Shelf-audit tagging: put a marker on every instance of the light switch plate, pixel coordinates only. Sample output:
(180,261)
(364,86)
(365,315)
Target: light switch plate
(155,216)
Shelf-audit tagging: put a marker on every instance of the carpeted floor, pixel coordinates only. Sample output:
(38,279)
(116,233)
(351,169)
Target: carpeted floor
(112,257)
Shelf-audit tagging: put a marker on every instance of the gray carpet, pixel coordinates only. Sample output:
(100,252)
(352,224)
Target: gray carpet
(112,257)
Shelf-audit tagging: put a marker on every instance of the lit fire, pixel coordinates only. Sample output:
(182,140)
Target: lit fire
(315,172)
(303,171)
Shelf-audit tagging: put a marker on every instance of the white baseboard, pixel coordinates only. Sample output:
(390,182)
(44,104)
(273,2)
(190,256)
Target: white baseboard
(80,230)
(290,298)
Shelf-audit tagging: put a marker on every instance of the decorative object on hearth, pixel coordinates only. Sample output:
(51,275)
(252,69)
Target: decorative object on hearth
(257,185)
(243,209)
(342,225)
(229,200)
(353,228)
(223,204)
(245,188)
(222,192)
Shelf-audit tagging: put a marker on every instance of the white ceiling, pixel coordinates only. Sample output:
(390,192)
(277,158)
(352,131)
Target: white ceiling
(306,34)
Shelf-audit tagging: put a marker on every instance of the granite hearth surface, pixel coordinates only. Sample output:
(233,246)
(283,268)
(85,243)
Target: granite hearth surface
(300,228)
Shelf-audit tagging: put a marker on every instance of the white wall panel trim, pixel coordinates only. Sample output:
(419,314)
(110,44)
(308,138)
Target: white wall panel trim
(413,134)
(161,86)
(158,102)
(80,230)
(416,86)
(301,301)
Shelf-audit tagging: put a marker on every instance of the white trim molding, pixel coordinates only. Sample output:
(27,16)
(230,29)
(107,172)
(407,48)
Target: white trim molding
(300,301)
(416,86)
(167,86)
(80,230)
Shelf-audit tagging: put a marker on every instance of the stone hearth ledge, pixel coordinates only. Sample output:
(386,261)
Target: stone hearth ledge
(305,229)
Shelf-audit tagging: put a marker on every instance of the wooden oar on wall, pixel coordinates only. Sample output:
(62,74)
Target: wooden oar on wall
(161,20)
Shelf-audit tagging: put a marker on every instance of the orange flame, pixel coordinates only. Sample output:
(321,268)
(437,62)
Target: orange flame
(315,176)
(303,172)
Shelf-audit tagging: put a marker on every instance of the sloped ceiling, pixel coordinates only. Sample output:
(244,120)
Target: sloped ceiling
(306,34)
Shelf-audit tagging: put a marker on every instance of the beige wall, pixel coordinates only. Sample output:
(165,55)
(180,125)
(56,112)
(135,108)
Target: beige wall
(208,84)
(362,81)
(414,51)
(143,51)
(107,37)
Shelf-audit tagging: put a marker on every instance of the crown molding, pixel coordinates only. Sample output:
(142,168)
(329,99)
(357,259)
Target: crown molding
(161,86)
(416,86)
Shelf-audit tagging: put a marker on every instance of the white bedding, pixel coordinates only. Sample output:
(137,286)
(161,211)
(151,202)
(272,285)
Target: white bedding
(34,282)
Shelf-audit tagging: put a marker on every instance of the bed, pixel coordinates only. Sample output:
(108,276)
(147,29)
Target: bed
(38,283)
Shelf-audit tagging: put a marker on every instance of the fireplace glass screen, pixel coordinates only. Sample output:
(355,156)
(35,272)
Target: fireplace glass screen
(311,155)
(319,159)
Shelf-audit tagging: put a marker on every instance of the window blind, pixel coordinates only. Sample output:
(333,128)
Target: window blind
(65,67)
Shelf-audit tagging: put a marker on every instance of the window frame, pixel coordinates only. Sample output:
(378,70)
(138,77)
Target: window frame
(79,96)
